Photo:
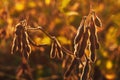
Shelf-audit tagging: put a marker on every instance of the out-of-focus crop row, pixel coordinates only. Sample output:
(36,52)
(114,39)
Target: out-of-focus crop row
(60,18)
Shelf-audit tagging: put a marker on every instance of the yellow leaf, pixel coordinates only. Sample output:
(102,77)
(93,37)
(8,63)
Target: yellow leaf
(98,62)
(44,40)
(19,6)
(64,4)
(109,64)
(72,13)
(37,40)
(105,54)
(111,37)
(31,4)
(64,40)
(110,76)
(47,2)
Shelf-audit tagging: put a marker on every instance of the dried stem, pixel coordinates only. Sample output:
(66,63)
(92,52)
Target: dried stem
(53,38)
(86,32)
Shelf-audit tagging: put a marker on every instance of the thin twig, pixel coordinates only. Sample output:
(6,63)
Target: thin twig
(51,37)
(67,51)
(40,28)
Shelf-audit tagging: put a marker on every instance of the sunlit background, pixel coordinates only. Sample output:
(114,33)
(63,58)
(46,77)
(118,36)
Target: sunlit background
(60,18)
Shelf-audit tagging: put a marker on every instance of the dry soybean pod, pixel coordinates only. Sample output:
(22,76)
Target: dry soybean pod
(92,48)
(53,50)
(97,20)
(80,31)
(60,53)
(19,30)
(59,49)
(76,47)
(93,55)
(93,31)
(14,45)
(86,71)
(81,51)
(19,42)
(96,42)
(25,54)
(28,48)
(25,38)
(17,39)
(26,42)
(71,67)
(92,41)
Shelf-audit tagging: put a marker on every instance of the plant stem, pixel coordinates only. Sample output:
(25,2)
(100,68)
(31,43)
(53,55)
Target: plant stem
(53,38)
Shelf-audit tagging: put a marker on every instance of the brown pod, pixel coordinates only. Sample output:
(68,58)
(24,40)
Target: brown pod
(96,19)
(92,42)
(98,22)
(26,42)
(19,29)
(14,45)
(53,50)
(93,55)
(60,53)
(93,31)
(59,49)
(86,71)
(25,38)
(96,42)
(71,67)
(19,42)
(26,54)
(81,51)
(28,48)
(76,49)
(19,35)
(80,31)
(92,48)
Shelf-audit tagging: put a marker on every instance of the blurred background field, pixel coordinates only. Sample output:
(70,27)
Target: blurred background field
(60,18)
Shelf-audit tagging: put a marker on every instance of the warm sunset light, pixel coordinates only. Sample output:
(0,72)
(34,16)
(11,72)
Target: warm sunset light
(59,39)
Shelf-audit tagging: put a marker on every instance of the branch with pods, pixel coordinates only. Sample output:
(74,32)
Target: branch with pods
(85,39)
